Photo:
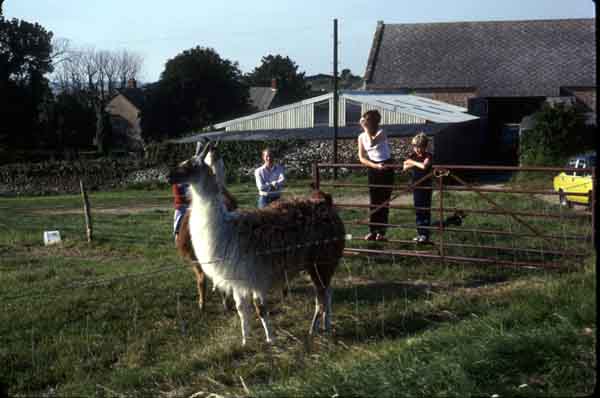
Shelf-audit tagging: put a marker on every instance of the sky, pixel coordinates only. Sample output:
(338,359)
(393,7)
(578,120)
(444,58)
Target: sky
(244,31)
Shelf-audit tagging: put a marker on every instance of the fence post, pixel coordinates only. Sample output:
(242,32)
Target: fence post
(315,175)
(441,222)
(86,212)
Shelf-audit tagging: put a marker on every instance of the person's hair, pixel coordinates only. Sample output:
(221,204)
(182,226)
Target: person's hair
(373,115)
(420,140)
(266,150)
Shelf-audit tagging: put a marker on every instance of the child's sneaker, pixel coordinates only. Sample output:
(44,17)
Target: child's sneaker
(380,238)
(416,238)
(370,236)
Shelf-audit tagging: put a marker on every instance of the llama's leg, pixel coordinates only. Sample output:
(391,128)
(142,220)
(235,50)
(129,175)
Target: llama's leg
(319,310)
(225,301)
(327,312)
(321,274)
(261,311)
(242,304)
(200,284)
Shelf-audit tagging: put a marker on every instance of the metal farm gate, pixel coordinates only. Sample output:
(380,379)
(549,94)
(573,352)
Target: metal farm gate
(515,225)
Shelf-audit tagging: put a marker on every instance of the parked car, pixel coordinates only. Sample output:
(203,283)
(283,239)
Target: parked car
(576,181)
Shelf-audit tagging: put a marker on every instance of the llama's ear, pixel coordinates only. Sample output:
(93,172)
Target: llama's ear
(200,145)
(201,154)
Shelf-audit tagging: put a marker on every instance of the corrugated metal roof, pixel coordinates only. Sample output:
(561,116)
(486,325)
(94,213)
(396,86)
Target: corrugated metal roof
(314,133)
(269,112)
(428,109)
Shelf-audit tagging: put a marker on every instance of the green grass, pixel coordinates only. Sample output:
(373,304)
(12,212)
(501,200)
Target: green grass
(119,316)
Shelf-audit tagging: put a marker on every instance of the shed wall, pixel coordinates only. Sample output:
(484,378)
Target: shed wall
(460,143)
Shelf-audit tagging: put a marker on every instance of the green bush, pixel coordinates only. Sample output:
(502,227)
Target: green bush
(559,132)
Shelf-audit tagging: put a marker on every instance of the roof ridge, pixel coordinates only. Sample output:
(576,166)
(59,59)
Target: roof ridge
(491,21)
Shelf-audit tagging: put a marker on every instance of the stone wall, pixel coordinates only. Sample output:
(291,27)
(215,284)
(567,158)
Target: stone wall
(63,177)
(298,161)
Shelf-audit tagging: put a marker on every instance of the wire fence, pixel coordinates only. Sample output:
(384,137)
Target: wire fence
(520,239)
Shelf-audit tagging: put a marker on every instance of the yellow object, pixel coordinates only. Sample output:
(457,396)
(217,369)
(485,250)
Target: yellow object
(576,186)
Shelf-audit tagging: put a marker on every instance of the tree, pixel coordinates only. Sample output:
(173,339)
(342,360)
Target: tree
(197,88)
(92,77)
(291,85)
(559,132)
(348,81)
(25,50)
(100,72)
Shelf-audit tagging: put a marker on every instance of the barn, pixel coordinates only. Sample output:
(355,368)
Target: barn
(501,71)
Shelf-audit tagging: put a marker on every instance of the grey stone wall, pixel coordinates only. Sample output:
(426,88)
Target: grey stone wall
(63,177)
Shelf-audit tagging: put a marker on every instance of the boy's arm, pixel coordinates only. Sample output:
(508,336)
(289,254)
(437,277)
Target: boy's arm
(408,163)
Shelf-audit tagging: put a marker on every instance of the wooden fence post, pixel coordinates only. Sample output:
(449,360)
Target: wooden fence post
(86,212)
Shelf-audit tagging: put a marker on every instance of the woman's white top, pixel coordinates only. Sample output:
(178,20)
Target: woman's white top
(377,148)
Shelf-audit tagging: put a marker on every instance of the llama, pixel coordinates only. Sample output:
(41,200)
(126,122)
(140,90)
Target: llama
(247,253)
(184,241)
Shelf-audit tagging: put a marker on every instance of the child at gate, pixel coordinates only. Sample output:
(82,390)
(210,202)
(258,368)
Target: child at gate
(419,162)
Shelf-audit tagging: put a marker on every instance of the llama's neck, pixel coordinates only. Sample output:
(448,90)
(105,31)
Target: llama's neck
(209,224)
(207,204)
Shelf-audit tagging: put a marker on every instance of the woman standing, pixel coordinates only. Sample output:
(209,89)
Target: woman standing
(374,152)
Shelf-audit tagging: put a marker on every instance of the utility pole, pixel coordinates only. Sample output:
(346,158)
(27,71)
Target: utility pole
(335,95)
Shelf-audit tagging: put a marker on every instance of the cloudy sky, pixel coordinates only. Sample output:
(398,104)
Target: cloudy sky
(246,30)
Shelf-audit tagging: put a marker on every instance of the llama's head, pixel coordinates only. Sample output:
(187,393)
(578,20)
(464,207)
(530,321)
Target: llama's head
(196,171)
(214,160)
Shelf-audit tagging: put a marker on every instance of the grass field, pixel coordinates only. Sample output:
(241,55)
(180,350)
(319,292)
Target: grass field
(119,317)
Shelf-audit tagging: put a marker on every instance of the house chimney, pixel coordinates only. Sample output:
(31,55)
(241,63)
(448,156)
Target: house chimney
(273,84)
(131,83)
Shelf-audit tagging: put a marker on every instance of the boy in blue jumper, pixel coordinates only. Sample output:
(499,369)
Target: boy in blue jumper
(419,162)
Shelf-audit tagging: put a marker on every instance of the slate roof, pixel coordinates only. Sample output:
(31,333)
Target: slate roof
(135,96)
(497,58)
(261,97)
